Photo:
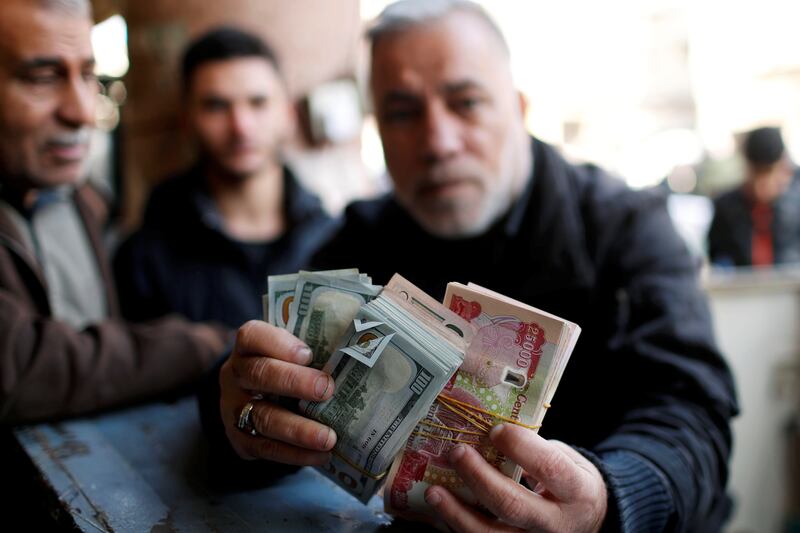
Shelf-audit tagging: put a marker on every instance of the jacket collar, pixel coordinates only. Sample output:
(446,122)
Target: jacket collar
(8,230)
(10,236)
(547,217)
(299,204)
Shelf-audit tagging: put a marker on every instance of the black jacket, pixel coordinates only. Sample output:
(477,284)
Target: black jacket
(182,261)
(730,238)
(646,395)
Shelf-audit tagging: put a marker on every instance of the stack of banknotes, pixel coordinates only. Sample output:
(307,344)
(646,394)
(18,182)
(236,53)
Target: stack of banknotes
(390,351)
(415,377)
(511,370)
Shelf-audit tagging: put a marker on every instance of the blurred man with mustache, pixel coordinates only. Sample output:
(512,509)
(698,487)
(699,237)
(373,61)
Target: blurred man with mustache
(64,349)
(213,234)
(640,421)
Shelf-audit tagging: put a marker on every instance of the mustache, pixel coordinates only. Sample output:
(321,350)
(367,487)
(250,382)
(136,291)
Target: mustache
(70,138)
(444,173)
(241,144)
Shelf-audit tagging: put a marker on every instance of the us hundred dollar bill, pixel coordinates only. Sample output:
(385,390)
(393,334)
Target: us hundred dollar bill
(317,306)
(281,290)
(323,308)
(374,408)
(390,366)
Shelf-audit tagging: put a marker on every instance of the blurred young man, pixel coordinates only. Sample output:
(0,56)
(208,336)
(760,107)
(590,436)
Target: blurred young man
(758,223)
(63,348)
(213,234)
(645,403)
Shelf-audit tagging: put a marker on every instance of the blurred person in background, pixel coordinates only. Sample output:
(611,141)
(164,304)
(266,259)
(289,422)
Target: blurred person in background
(758,223)
(212,234)
(645,403)
(64,348)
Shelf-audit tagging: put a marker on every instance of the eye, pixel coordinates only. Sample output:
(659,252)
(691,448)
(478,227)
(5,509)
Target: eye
(465,104)
(258,102)
(42,76)
(400,114)
(214,105)
(89,76)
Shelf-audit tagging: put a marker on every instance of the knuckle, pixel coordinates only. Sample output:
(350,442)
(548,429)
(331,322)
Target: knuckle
(309,433)
(227,375)
(289,381)
(259,370)
(245,452)
(293,427)
(300,432)
(246,332)
(514,509)
(553,464)
(263,419)
(242,446)
(268,449)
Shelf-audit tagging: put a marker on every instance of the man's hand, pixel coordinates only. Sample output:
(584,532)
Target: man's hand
(213,337)
(270,361)
(570,494)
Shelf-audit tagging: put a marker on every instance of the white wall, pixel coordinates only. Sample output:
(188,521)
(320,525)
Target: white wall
(756,319)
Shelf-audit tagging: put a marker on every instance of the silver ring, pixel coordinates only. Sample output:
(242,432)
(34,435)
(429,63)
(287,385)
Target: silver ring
(245,424)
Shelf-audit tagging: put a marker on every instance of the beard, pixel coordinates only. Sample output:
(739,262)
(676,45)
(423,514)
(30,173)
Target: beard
(457,200)
(228,170)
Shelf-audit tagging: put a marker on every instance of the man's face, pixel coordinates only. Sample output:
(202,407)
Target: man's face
(47,94)
(451,123)
(240,113)
(768,183)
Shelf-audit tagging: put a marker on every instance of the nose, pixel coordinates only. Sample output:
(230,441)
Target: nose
(442,137)
(78,100)
(240,121)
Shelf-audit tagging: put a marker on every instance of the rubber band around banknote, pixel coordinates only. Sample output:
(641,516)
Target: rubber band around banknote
(440,426)
(460,408)
(479,423)
(376,477)
(442,437)
(444,400)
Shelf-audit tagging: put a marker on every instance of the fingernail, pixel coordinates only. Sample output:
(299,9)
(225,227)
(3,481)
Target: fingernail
(457,453)
(324,438)
(433,497)
(304,355)
(495,432)
(321,386)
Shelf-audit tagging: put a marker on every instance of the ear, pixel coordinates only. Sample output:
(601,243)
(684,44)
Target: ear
(291,121)
(523,104)
(185,120)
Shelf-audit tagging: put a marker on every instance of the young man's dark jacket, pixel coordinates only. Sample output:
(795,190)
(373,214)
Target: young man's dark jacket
(182,260)
(646,392)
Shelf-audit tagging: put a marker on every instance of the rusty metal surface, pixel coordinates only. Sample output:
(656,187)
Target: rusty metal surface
(141,470)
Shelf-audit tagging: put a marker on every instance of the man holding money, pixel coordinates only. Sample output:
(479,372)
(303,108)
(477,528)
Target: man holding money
(645,403)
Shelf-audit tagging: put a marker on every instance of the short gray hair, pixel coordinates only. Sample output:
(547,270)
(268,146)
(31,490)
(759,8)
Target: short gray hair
(405,14)
(70,7)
